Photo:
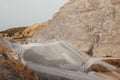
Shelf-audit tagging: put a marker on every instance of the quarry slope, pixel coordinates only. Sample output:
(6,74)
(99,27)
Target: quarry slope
(93,26)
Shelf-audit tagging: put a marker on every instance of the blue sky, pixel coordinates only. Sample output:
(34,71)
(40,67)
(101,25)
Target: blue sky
(18,13)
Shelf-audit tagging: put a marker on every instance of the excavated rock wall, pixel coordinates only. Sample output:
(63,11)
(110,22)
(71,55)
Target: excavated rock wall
(93,26)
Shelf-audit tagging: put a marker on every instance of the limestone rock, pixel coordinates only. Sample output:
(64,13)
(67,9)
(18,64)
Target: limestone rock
(86,24)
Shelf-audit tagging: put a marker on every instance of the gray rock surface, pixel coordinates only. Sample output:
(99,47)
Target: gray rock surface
(93,26)
(62,60)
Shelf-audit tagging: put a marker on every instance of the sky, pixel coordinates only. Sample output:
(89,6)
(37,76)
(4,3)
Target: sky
(19,13)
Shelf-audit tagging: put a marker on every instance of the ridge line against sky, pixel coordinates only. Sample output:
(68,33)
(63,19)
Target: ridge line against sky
(19,13)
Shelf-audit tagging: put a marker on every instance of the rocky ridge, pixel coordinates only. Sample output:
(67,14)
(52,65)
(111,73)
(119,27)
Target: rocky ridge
(21,34)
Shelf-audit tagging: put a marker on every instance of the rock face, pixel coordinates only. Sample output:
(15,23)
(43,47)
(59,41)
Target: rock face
(93,26)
